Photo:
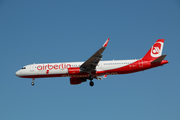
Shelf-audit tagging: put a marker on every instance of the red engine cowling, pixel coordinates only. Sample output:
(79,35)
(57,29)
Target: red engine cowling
(74,70)
(76,80)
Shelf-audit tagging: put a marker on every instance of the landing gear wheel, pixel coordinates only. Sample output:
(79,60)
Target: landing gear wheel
(91,83)
(32,83)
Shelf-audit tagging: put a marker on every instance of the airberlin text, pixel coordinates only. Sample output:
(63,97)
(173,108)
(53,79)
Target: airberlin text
(55,67)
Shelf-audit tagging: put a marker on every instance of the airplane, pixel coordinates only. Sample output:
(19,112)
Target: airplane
(94,68)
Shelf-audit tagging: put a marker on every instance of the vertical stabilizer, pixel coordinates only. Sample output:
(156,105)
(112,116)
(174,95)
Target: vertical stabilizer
(155,51)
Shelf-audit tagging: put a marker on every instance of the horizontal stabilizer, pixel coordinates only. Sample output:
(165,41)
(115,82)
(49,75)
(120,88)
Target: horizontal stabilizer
(159,59)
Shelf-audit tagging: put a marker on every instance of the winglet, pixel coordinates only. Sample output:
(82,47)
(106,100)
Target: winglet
(105,44)
(104,76)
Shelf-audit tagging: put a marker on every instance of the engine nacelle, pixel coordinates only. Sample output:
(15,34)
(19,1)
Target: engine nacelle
(74,70)
(76,80)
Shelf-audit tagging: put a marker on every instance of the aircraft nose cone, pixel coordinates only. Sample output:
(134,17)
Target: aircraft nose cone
(17,73)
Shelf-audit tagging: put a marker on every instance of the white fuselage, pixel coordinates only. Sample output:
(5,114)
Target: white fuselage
(61,69)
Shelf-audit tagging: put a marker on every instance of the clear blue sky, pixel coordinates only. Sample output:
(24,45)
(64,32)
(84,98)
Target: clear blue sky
(36,31)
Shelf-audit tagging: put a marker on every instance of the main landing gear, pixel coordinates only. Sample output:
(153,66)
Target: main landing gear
(32,82)
(91,83)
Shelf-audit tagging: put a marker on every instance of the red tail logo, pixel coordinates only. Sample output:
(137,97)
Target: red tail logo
(155,51)
(156,48)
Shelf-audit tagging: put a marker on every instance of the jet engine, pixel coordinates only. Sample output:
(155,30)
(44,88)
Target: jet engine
(76,80)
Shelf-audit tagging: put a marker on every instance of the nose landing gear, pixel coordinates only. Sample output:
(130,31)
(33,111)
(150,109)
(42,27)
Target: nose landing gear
(33,82)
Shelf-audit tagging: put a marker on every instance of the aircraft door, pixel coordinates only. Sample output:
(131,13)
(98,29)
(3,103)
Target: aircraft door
(32,68)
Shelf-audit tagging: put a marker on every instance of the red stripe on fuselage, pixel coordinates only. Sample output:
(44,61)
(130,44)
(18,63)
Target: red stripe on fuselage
(134,67)
(131,68)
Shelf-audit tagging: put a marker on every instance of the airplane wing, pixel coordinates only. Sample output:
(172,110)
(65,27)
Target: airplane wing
(90,64)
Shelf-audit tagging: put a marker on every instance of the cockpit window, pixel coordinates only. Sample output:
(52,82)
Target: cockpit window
(24,68)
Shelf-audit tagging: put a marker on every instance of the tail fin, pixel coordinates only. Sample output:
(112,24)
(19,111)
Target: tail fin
(155,51)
